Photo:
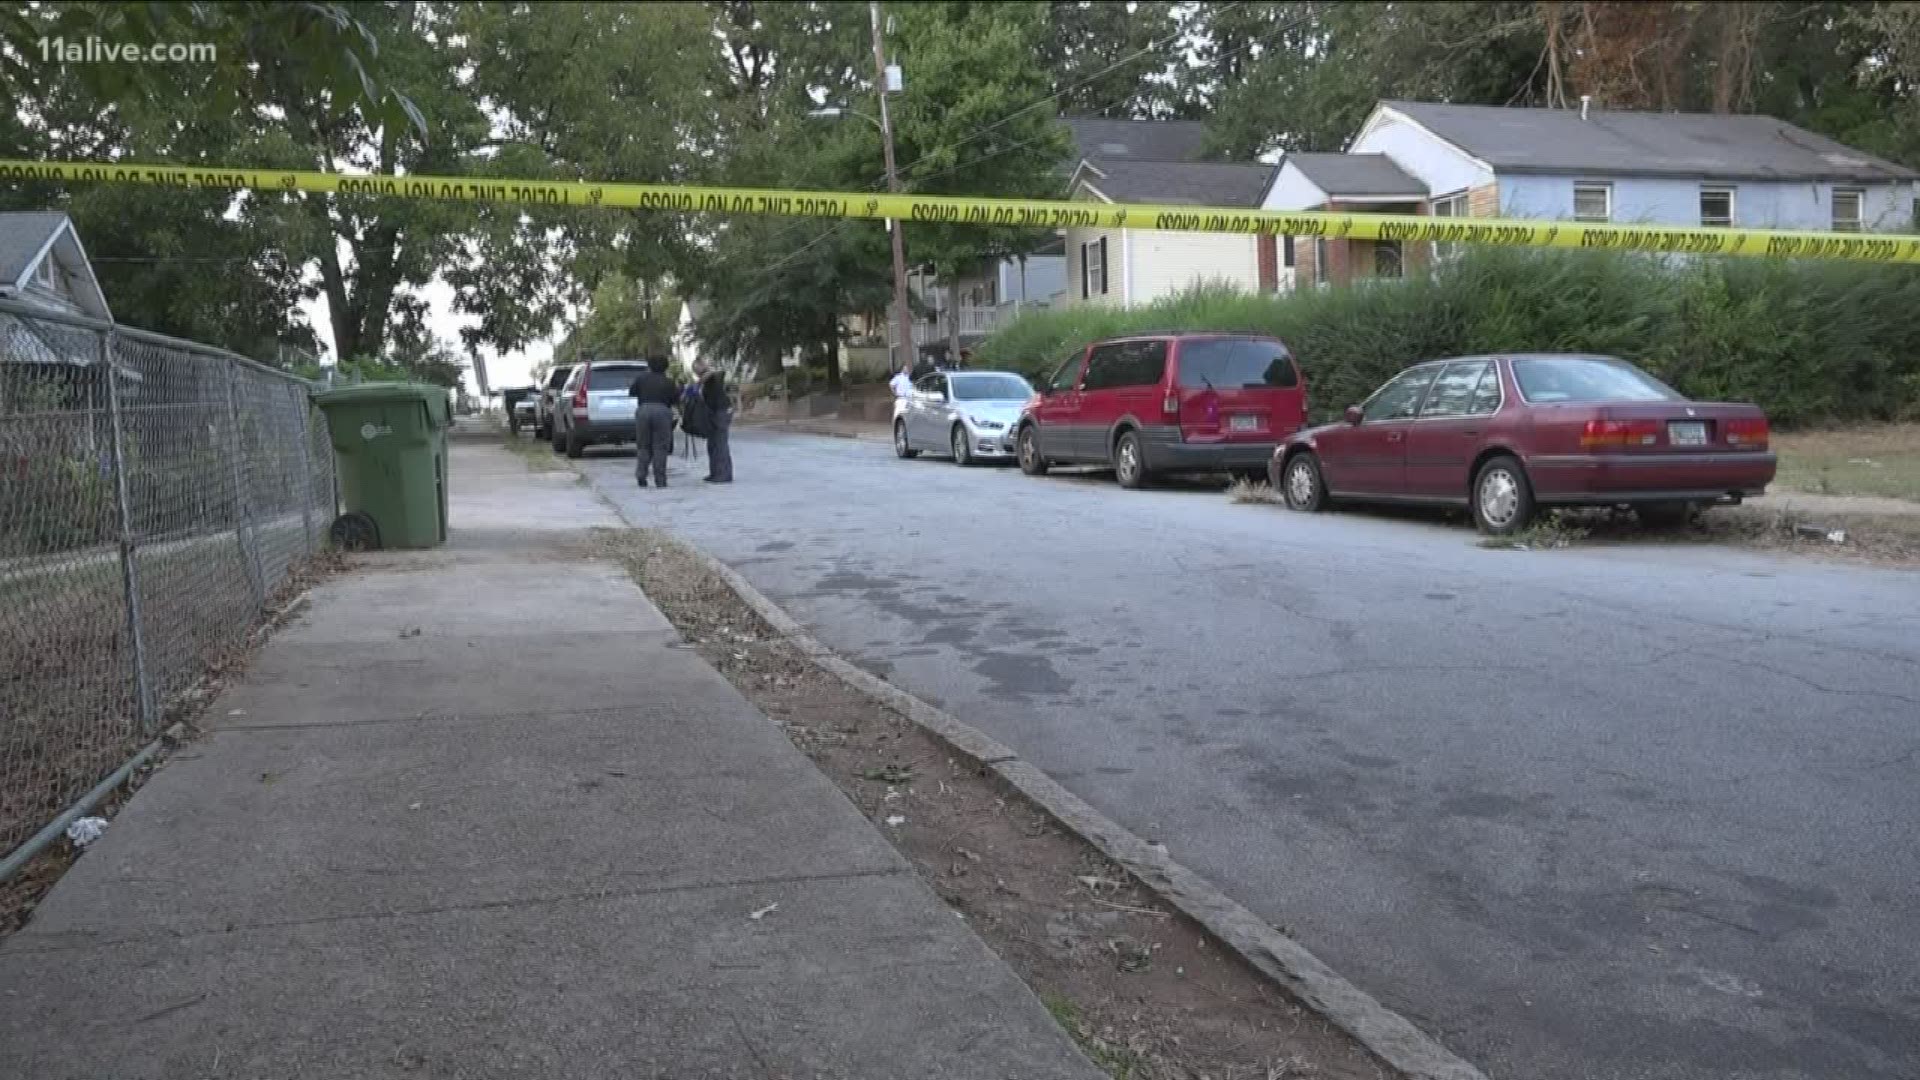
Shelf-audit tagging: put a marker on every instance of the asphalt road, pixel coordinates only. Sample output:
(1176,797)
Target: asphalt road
(1637,811)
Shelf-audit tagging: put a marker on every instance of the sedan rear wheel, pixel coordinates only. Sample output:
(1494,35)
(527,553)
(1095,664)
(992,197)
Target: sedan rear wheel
(901,447)
(962,451)
(1502,497)
(1301,484)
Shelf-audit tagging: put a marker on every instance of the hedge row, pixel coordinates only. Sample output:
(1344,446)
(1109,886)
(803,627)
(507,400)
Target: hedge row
(1808,341)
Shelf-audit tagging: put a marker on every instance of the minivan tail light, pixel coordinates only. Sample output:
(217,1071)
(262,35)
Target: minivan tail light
(1620,434)
(1748,433)
(1170,405)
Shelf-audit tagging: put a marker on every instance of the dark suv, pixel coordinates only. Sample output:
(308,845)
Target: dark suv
(1182,401)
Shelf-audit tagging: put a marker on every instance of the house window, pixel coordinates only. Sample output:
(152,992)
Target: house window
(1846,209)
(1093,268)
(1451,206)
(1592,202)
(1387,260)
(1286,243)
(1716,207)
(1319,260)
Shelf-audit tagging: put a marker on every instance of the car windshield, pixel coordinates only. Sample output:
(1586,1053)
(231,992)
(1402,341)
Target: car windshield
(613,378)
(991,388)
(1552,379)
(1234,364)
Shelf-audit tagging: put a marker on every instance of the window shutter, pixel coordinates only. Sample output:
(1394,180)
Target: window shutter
(1105,273)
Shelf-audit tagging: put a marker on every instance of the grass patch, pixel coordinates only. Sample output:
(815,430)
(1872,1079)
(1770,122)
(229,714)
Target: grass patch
(538,455)
(1878,460)
(1553,530)
(1245,492)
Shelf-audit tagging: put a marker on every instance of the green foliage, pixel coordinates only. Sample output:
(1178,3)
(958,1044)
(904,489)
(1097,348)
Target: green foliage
(626,319)
(1808,341)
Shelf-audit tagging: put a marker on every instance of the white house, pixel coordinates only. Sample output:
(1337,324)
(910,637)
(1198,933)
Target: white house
(42,263)
(1128,267)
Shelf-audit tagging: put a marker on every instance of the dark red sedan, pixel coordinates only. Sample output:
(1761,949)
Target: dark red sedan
(1509,435)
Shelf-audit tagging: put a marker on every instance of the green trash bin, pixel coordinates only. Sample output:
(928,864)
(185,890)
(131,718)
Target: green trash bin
(390,453)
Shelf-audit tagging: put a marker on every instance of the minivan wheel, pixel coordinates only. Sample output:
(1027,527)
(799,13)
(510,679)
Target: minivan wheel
(1129,467)
(900,446)
(962,453)
(1028,445)
(1301,485)
(1502,497)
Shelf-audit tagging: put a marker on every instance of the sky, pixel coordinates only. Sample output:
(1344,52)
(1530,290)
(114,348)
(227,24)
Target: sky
(513,369)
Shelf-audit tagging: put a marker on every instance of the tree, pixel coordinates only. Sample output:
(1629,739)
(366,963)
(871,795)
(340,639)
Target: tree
(625,319)
(1114,60)
(976,120)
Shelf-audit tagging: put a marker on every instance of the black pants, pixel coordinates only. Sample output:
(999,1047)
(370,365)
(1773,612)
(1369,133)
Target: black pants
(653,439)
(720,446)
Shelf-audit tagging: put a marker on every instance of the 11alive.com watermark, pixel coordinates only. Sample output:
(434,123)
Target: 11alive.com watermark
(92,50)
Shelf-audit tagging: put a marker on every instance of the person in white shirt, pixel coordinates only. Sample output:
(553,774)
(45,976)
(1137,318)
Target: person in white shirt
(902,382)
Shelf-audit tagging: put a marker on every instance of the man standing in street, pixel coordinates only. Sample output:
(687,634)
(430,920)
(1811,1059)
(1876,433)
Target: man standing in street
(653,421)
(719,403)
(902,381)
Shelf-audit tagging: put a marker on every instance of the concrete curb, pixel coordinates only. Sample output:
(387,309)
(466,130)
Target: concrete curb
(1387,1034)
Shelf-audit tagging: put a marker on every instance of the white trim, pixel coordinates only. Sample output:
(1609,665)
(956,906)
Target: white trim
(1126,267)
(1381,112)
(26,271)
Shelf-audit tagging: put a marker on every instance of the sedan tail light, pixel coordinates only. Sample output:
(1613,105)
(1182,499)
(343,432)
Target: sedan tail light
(1619,434)
(1749,433)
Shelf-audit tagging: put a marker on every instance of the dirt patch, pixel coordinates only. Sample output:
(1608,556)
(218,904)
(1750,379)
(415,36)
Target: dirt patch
(1147,994)
(538,455)
(71,764)
(1882,539)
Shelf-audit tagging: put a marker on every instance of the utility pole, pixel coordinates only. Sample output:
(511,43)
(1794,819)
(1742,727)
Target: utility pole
(902,311)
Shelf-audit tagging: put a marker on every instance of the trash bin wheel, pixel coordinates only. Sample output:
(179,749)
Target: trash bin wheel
(354,531)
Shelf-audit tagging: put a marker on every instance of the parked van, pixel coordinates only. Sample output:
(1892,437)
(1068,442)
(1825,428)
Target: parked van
(1182,401)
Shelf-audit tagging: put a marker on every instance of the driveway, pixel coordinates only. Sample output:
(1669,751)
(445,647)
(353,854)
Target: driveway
(1640,812)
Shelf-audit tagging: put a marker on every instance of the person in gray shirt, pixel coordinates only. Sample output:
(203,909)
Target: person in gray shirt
(653,421)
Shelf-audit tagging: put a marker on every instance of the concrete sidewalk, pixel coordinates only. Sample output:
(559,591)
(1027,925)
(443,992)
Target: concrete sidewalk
(478,813)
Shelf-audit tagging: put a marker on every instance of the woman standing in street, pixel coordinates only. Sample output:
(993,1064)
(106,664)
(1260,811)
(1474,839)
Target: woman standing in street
(719,402)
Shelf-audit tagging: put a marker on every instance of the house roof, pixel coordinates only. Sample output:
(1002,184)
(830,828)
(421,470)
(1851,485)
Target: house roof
(1194,183)
(1136,140)
(25,236)
(29,238)
(1356,174)
(1609,142)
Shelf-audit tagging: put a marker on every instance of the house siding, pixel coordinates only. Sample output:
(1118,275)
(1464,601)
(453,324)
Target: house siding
(1672,201)
(1116,278)
(1291,190)
(1165,263)
(1046,276)
(1426,157)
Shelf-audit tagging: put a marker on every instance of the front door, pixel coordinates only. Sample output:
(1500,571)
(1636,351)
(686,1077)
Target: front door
(1372,455)
(1442,442)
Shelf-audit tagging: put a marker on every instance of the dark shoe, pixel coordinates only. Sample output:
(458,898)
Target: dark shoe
(714,480)
(643,483)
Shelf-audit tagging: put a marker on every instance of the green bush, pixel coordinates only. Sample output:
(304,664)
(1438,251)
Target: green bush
(1808,341)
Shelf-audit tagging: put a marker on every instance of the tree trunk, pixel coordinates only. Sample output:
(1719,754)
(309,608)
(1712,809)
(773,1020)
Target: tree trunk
(953,321)
(833,358)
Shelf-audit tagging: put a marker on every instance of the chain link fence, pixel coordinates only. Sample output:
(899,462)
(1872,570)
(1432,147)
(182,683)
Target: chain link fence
(154,494)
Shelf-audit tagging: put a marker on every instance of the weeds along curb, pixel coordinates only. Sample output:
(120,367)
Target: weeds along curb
(1383,1032)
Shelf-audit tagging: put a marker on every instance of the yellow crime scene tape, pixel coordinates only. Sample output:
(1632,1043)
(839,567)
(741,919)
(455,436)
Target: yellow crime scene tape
(1040,213)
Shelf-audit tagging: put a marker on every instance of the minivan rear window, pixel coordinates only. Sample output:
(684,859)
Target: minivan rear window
(1235,364)
(612,378)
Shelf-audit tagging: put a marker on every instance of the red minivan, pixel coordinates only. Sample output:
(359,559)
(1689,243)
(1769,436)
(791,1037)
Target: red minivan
(1182,401)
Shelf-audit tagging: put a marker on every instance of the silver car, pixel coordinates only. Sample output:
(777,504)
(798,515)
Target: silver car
(966,414)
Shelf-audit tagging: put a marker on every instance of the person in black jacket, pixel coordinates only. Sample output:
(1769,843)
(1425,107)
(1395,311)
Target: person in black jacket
(653,421)
(719,403)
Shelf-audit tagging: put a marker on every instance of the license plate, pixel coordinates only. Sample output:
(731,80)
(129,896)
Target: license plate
(1244,423)
(1687,432)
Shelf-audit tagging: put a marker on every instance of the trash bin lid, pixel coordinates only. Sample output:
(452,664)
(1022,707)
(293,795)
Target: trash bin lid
(366,393)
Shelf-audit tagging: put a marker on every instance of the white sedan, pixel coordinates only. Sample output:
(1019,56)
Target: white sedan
(966,414)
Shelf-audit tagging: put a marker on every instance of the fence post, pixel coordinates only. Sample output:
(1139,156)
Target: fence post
(304,409)
(243,528)
(129,560)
